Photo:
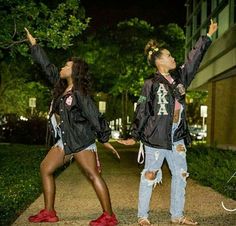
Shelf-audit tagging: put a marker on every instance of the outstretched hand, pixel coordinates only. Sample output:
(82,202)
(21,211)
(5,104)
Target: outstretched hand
(31,39)
(110,147)
(127,142)
(212,28)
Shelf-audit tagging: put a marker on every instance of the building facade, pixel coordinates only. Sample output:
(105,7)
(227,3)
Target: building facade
(217,73)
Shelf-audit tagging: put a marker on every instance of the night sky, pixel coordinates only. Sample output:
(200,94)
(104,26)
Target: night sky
(156,12)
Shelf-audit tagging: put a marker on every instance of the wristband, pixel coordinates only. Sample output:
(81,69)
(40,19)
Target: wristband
(209,36)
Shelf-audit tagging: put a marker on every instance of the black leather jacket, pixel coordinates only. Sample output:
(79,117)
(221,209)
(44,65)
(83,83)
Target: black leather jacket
(80,121)
(155,108)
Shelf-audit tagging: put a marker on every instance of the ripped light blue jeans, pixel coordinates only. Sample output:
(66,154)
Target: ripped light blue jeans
(176,159)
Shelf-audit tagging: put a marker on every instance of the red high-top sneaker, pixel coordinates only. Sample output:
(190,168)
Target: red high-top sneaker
(44,216)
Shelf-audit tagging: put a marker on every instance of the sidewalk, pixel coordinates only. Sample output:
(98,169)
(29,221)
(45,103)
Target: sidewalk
(77,204)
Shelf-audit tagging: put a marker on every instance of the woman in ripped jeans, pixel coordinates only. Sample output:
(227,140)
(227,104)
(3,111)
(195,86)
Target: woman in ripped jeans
(160,124)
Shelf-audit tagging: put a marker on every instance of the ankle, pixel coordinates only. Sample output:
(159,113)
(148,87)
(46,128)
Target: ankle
(49,209)
(109,212)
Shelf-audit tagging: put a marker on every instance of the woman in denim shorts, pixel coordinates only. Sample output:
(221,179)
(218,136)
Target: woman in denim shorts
(75,123)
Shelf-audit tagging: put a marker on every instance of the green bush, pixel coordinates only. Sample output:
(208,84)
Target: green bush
(19,179)
(213,167)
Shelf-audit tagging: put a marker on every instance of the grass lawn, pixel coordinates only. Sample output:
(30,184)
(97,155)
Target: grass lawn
(213,167)
(20,181)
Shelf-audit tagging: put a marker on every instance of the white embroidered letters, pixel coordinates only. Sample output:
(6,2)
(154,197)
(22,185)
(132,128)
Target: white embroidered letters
(161,93)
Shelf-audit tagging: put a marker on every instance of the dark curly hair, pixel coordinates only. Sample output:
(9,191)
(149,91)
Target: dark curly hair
(81,80)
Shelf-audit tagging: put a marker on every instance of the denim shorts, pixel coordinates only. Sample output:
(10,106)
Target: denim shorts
(91,147)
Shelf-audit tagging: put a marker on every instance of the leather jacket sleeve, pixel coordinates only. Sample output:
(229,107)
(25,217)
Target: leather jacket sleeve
(91,113)
(189,69)
(41,58)
(142,111)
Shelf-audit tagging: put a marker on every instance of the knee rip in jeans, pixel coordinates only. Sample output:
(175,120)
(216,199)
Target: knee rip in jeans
(180,148)
(184,174)
(151,177)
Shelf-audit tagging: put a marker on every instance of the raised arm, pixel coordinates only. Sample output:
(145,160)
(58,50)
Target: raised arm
(195,56)
(41,58)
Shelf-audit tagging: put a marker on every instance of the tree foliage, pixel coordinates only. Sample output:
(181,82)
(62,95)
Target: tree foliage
(117,59)
(15,92)
(55,27)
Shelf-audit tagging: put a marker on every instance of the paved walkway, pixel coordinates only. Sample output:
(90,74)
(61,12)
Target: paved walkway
(77,204)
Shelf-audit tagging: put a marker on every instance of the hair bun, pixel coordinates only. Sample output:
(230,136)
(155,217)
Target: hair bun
(151,45)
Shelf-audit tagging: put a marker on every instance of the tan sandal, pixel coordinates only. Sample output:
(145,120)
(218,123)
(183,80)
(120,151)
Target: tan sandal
(143,221)
(184,221)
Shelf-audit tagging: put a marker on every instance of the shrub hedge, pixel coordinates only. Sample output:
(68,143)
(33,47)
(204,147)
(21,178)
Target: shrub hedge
(31,132)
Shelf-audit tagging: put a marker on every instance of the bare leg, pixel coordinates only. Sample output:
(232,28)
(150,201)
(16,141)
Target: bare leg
(87,160)
(52,161)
